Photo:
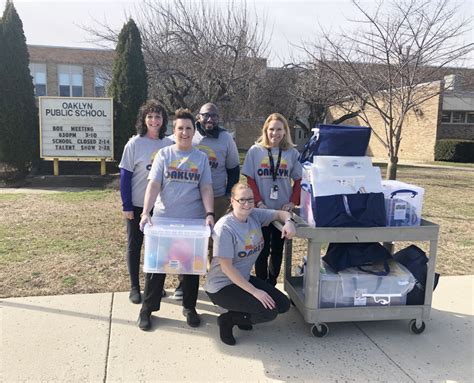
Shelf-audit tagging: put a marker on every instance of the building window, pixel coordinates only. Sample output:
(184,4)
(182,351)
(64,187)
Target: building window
(446,116)
(70,80)
(459,117)
(101,80)
(470,117)
(38,72)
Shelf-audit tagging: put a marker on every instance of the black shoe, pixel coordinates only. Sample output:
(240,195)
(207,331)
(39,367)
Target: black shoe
(245,327)
(144,320)
(225,328)
(135,296)
(192,317)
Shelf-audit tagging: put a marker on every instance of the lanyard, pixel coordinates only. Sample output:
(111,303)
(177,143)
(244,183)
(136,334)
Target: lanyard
(273,169)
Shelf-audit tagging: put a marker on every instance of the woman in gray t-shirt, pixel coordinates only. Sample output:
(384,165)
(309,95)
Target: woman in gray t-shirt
(180,186)
(238,241)
(274,174)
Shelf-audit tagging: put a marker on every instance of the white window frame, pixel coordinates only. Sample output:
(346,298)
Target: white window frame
(101,80)
(39,73)
(71,76)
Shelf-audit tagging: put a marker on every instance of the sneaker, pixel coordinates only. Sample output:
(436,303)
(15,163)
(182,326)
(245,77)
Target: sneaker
(144,320)
(192,317)
(134,295)
(178,293)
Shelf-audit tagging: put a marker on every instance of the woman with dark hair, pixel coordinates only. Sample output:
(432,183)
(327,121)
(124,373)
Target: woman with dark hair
(274,174)
(238,242)
(135,165)
(179,186)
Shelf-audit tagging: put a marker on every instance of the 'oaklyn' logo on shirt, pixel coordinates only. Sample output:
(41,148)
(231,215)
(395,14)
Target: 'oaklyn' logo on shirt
(265,171)
(153,155)
(211,155)
(253,244)
(182,170)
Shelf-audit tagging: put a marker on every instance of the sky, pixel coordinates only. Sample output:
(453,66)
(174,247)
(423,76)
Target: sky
(289,22)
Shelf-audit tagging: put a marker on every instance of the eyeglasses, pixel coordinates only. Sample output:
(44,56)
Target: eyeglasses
(243,201)
(206,116)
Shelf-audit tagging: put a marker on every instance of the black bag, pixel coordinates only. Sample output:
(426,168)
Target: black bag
(416,261)
(340,256)
(336,140)
(350,210)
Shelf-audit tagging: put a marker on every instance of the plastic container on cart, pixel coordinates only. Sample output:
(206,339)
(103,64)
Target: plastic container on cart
(403,203)
(176,246)
(353,287)
(308,303)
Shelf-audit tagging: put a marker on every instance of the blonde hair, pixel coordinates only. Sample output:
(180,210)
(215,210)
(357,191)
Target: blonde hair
(235,188)
(286,142)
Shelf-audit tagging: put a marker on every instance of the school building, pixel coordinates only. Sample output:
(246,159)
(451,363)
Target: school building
(84,72)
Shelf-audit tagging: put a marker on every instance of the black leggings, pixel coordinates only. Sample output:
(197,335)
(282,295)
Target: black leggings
(134,246)
(154,286)
(273,248)
(234,298)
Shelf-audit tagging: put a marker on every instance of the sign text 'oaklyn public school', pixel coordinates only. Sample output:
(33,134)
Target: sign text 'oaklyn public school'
(76,127)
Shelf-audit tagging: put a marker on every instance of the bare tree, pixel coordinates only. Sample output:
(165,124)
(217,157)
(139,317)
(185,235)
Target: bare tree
(198,52)
(314,91)
(389,63)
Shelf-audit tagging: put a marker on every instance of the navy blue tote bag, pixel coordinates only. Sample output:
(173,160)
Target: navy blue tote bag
(350,210)
(337,140)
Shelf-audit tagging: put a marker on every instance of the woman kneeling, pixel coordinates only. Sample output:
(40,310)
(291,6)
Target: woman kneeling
(238,241)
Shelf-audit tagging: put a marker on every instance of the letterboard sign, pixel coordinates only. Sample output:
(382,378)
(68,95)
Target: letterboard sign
(76,127)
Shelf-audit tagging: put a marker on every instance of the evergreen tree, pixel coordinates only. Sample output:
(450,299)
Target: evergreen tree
(18,111)
(128,86)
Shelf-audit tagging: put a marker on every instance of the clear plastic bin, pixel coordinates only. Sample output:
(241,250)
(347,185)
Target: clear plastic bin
(352,287)
(176,246)
(403,203)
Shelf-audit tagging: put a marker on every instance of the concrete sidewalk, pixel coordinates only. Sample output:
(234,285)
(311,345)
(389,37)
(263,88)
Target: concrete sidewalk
(94,338)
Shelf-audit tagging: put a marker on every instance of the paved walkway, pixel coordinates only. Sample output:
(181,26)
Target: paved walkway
(94,338)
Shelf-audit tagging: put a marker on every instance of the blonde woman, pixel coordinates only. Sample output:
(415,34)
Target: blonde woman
(238,241)
(274,174)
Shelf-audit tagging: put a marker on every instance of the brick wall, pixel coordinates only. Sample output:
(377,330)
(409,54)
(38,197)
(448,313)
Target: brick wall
(87,58)
(456,131)
(247,130)
(419,131)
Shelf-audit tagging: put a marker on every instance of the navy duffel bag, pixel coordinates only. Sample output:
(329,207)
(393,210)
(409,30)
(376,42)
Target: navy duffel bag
(350,210)
(337,140)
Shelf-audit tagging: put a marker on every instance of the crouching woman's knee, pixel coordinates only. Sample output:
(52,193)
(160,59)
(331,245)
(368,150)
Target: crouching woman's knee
(283,306)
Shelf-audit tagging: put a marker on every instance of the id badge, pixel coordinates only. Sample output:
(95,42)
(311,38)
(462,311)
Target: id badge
(274,192)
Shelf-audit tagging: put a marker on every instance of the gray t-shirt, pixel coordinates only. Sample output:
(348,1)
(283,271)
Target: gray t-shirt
(257,166)
(222,153)
(180,173)
(137,158)
(242,242)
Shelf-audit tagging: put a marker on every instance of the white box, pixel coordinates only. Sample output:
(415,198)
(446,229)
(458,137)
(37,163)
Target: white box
(176,246)
(332,175)
(403,203)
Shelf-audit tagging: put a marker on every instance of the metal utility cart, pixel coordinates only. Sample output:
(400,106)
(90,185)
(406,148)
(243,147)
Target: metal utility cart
(308,303)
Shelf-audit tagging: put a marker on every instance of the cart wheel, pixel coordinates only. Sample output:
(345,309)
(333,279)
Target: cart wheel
(319,333)
(414,329)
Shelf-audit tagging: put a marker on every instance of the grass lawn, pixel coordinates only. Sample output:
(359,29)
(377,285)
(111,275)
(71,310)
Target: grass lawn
(74,242)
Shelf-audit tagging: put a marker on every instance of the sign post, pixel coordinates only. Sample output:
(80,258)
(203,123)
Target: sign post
(76,128)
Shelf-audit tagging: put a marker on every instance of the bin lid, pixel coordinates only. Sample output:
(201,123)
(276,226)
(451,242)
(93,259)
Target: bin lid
(177,227)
